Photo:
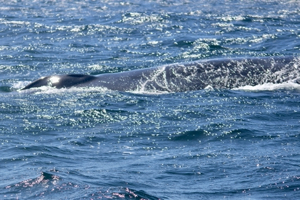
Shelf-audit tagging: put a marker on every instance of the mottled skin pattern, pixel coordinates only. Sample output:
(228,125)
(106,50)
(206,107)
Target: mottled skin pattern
(197,75)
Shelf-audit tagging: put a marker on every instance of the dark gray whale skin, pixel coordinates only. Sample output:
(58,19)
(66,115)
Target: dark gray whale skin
(180,77)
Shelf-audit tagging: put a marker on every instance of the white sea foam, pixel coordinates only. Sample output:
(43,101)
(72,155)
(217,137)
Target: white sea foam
(19,85)
(150,92)
(53,90)
(271,87)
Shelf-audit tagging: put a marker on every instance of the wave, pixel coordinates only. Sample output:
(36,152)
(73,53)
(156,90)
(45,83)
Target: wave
(50,185)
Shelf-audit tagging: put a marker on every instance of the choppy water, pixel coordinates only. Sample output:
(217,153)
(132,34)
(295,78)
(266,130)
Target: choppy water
(95,143)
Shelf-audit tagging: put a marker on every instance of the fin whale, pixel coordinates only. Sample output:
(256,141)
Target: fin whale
(180,77)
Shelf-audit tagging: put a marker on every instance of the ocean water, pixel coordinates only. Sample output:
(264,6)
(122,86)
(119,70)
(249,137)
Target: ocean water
(93,143)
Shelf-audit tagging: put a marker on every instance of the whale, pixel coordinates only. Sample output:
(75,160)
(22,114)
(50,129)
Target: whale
(225,73)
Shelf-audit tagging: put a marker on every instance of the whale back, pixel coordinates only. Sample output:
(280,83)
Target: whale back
(181,77)
(61,81)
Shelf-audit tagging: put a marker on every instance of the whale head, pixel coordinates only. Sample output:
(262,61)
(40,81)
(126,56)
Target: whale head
(60,81)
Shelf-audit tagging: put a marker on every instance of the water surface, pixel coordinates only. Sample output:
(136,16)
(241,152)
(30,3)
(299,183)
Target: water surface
(90,143)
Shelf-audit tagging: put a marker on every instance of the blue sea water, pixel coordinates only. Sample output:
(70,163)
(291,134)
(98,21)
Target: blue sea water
(92,143)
